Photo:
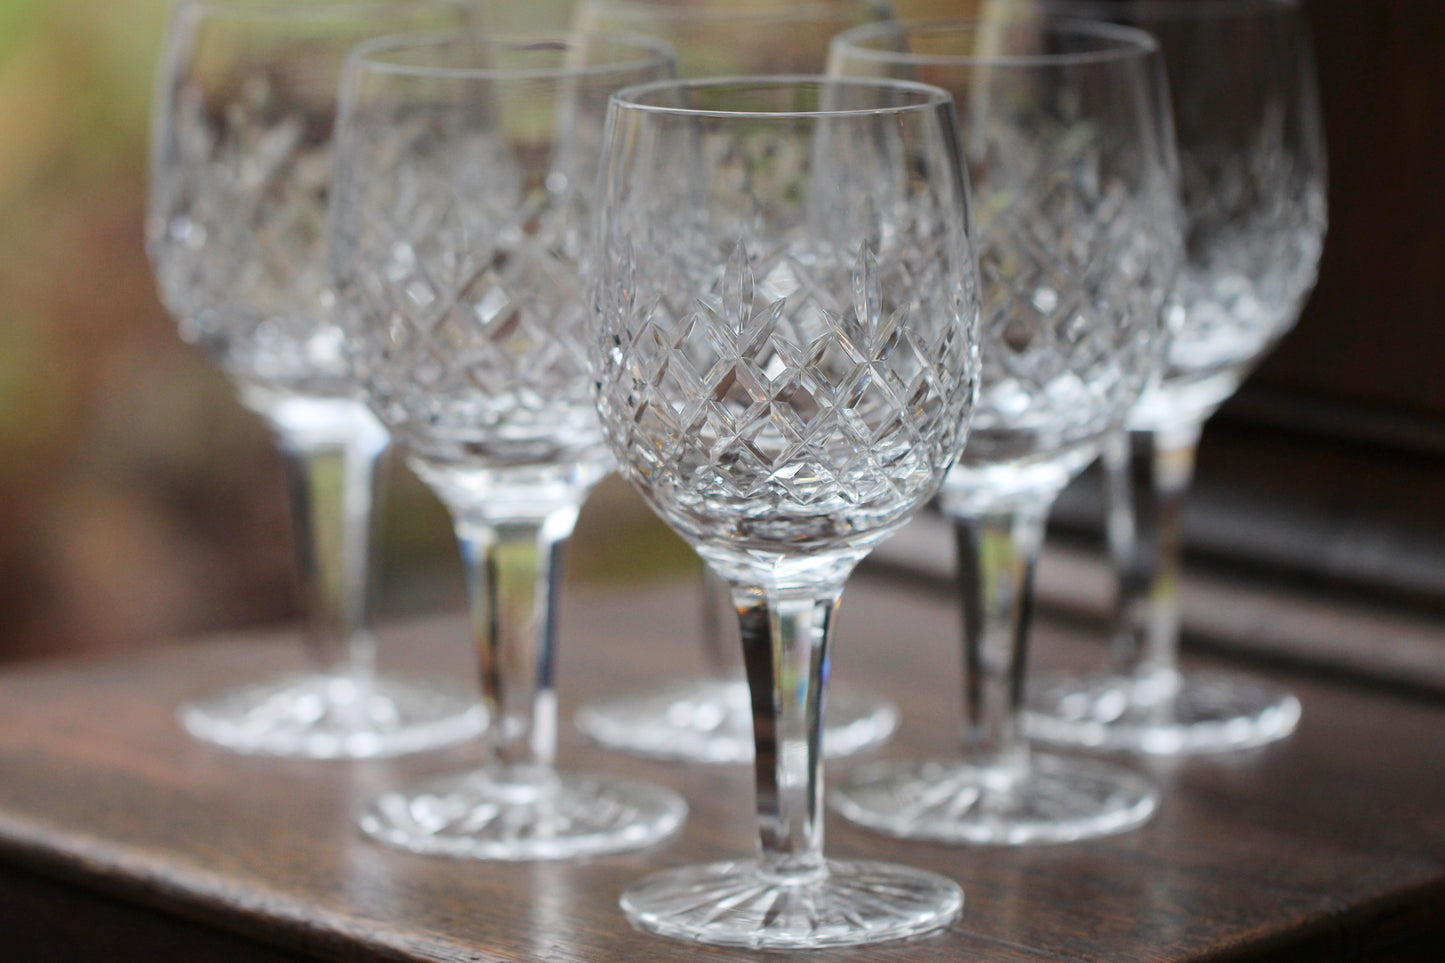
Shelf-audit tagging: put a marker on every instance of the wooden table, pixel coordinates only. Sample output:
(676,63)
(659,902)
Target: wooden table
(121,838)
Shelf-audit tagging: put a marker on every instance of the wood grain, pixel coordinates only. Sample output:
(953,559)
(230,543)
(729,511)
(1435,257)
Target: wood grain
(1332,841)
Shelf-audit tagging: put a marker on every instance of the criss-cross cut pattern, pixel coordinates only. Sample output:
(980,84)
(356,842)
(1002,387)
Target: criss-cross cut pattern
(239,214)
(1075,259)
(466,307)
(796,397)
(1256,225)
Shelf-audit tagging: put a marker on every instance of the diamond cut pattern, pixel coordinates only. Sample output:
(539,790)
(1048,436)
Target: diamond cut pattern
(237,234)
(491,362)
(784,402)
(798,295)
(1077,250)
(1256,222)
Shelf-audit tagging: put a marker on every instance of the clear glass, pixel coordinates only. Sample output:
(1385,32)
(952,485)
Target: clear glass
(1253,187)
(240,177)
(708,719)
(717,38)
(1067,141)
(786,359)
(460,254)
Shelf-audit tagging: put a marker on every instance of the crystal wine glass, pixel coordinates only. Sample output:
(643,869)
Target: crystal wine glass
(1253,185)
(786,361)
(709,718)
(466,172)
(240,178)
(1066,135)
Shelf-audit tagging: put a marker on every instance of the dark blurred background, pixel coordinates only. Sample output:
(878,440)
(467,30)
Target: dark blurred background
(139,502)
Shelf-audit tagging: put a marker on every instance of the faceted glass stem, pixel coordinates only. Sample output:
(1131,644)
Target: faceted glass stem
(1146,546)
(708,718)
(790,896)
(1000,792)
(513,566)
(518,806)
(341,709)
(1126,550)
(997,553)
(785,657)
(1144,702)
(332,484)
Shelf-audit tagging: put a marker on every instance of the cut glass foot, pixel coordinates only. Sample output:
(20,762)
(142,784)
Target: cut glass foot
(710,720)
(1163,713)
(1054,799)
(738,904)
(322,716)
(524,813)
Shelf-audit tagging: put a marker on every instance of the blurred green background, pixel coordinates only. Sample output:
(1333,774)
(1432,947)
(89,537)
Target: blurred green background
(138,500)
(132,488)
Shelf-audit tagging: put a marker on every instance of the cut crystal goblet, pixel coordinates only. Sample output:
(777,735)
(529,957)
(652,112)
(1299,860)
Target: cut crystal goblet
(1066,135)
(785,359)
(707,718)
(1253,191)
(240,176)
(460,250)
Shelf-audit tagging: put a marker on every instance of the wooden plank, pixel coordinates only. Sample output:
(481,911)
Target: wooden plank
(1304,844)
(43,920)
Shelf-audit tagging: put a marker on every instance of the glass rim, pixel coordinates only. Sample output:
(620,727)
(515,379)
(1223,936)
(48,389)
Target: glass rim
(662,11)
(1128,43)
(651,51)
(934,97)
(1169,9)
(311,9)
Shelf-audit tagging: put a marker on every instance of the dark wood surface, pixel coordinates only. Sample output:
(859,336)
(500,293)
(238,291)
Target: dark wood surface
(1368,332)
(1231,608)
(114,826)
